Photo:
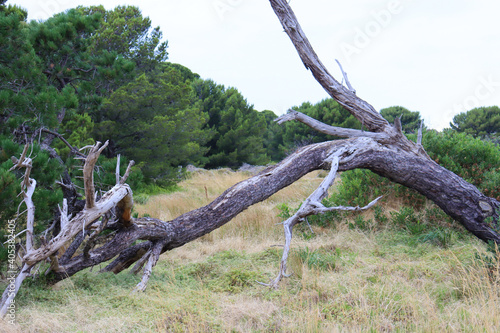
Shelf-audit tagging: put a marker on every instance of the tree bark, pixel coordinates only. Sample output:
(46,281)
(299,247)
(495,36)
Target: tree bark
(455,196)
(384,150)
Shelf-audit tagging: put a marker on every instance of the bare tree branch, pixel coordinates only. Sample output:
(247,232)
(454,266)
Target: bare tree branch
(419,136)
(153,257)
(72,149)
(363,111)
(327,129)
(127,172)
(117,172)
(9,294)
(312,206)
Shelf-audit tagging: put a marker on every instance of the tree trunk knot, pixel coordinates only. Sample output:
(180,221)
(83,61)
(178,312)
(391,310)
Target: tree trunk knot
(486,208)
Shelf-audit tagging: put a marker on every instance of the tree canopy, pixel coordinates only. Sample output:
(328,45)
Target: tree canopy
(155,120)
(479,122)
(237,127)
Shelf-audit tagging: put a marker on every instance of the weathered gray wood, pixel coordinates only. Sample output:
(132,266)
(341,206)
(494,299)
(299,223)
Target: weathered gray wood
(384,150)
(341,132)
(455,196)
(312,206)
(88,173)
(359,108)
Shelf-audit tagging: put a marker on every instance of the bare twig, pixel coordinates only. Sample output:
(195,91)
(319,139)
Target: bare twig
(117,172)
(419,136)
(344,74)
(64,213)
(30,218)
(73,149)
(127,172)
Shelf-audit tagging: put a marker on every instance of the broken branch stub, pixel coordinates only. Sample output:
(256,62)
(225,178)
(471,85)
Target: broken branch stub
(88,173)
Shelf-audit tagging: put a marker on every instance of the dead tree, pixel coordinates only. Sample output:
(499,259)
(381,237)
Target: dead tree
(382,148)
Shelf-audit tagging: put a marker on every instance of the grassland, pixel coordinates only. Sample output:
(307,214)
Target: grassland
(379,278)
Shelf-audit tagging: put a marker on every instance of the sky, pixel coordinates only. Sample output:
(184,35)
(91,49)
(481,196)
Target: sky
(440,58)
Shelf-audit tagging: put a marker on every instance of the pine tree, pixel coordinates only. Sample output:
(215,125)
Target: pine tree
(482,122)
(238,127)
(157,121)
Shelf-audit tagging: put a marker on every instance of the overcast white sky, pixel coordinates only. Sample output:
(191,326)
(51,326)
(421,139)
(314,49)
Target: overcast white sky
(439,57)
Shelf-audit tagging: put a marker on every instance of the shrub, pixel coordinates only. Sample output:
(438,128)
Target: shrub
(477,161)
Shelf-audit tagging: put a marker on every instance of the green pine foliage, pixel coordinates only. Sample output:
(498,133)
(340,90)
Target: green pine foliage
(479,122)
(156,121)
(25,96)
(475,160)
(410,120)
(238,128)
(126,32)
(273,137)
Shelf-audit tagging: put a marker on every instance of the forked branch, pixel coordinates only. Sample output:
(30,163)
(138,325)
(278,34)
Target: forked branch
(312,206)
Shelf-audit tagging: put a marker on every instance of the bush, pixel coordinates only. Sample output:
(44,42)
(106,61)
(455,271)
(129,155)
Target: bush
(476,161)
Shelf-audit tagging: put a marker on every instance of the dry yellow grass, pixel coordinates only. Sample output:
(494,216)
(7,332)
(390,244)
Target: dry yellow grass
(383,280)
(258,224)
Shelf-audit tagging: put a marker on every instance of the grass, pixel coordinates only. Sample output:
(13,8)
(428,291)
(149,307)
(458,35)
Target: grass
(363,276)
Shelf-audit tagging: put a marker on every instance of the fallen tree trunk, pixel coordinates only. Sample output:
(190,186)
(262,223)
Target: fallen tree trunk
(383,150)
(455,196)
